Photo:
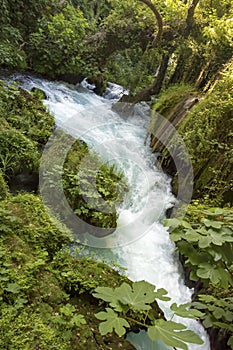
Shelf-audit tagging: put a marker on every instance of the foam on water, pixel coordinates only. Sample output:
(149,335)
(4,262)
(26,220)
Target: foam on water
(141,243)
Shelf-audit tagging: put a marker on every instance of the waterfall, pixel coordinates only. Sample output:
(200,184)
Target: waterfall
(140,243)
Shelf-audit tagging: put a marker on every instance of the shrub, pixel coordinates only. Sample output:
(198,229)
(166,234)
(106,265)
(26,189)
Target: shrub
(57,45)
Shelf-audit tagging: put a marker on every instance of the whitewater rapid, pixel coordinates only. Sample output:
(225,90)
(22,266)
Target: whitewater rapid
(140,243)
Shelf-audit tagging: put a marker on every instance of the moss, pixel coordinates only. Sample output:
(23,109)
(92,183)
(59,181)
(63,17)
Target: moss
(169,98)
(206,131)
(26,113)
(39,277)
(92,188)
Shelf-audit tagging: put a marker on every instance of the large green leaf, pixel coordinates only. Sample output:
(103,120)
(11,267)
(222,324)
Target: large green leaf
(138,296)
(109,295)
(183,311)
(173,334)
(104,293)
(204,242)
(112,322)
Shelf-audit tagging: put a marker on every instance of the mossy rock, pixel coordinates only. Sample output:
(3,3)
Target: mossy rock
(169,98)
(206,131)
(92,188)
(26,113)
(41,277)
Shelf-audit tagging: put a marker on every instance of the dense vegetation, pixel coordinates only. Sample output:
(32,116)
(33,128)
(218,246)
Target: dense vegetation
(178,56)
(42,287)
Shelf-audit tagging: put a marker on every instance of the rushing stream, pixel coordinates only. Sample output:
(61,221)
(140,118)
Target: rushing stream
(141,243)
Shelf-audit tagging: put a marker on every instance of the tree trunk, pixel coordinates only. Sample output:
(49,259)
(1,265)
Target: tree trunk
(178,73)
(154,88)
(190,17)
(158,19)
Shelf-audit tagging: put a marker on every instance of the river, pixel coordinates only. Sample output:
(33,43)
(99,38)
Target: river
(140,243)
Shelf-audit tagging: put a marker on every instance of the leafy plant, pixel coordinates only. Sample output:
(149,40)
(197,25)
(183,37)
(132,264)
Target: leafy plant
(57,44)
(173,334)
(138,298)
(93,189)
(218,313)
(207,245)
(112,322)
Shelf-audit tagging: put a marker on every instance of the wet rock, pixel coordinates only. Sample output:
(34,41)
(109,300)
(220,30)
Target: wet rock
(71,78)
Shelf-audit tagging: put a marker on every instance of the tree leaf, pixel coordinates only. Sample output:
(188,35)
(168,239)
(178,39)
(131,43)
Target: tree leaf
(182,311)
(67,309)
(173,334)
(218,312)
(138,296)
(113,322)
(104,293)
(160,294)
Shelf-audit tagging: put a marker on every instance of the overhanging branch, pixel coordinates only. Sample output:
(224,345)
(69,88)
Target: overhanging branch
(158,19)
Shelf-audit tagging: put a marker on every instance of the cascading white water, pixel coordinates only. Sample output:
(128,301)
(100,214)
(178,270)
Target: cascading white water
(141,243)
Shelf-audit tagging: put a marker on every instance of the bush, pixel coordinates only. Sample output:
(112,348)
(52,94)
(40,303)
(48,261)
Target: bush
(57,45)
(4,191)
(17,153)
(26,113)
(11,54)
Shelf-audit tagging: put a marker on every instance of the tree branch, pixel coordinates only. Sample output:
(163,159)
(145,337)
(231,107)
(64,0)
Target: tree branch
(190,17)
(158,19)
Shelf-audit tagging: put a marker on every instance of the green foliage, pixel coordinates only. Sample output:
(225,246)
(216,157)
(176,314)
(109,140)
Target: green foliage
(26,113)
(112,322)
(138,298)
(57,45)
(207,133)
(23,152)
(219,36)
(23,15)
(11,53)
(173,334)
(216,310)
(4,191)
(170,97)
(218,313)
(83,275)
(93,189)
(182,311)
(205,240)
(38,308)
(132,68)
(25,128)
(206,244)
(95,11)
